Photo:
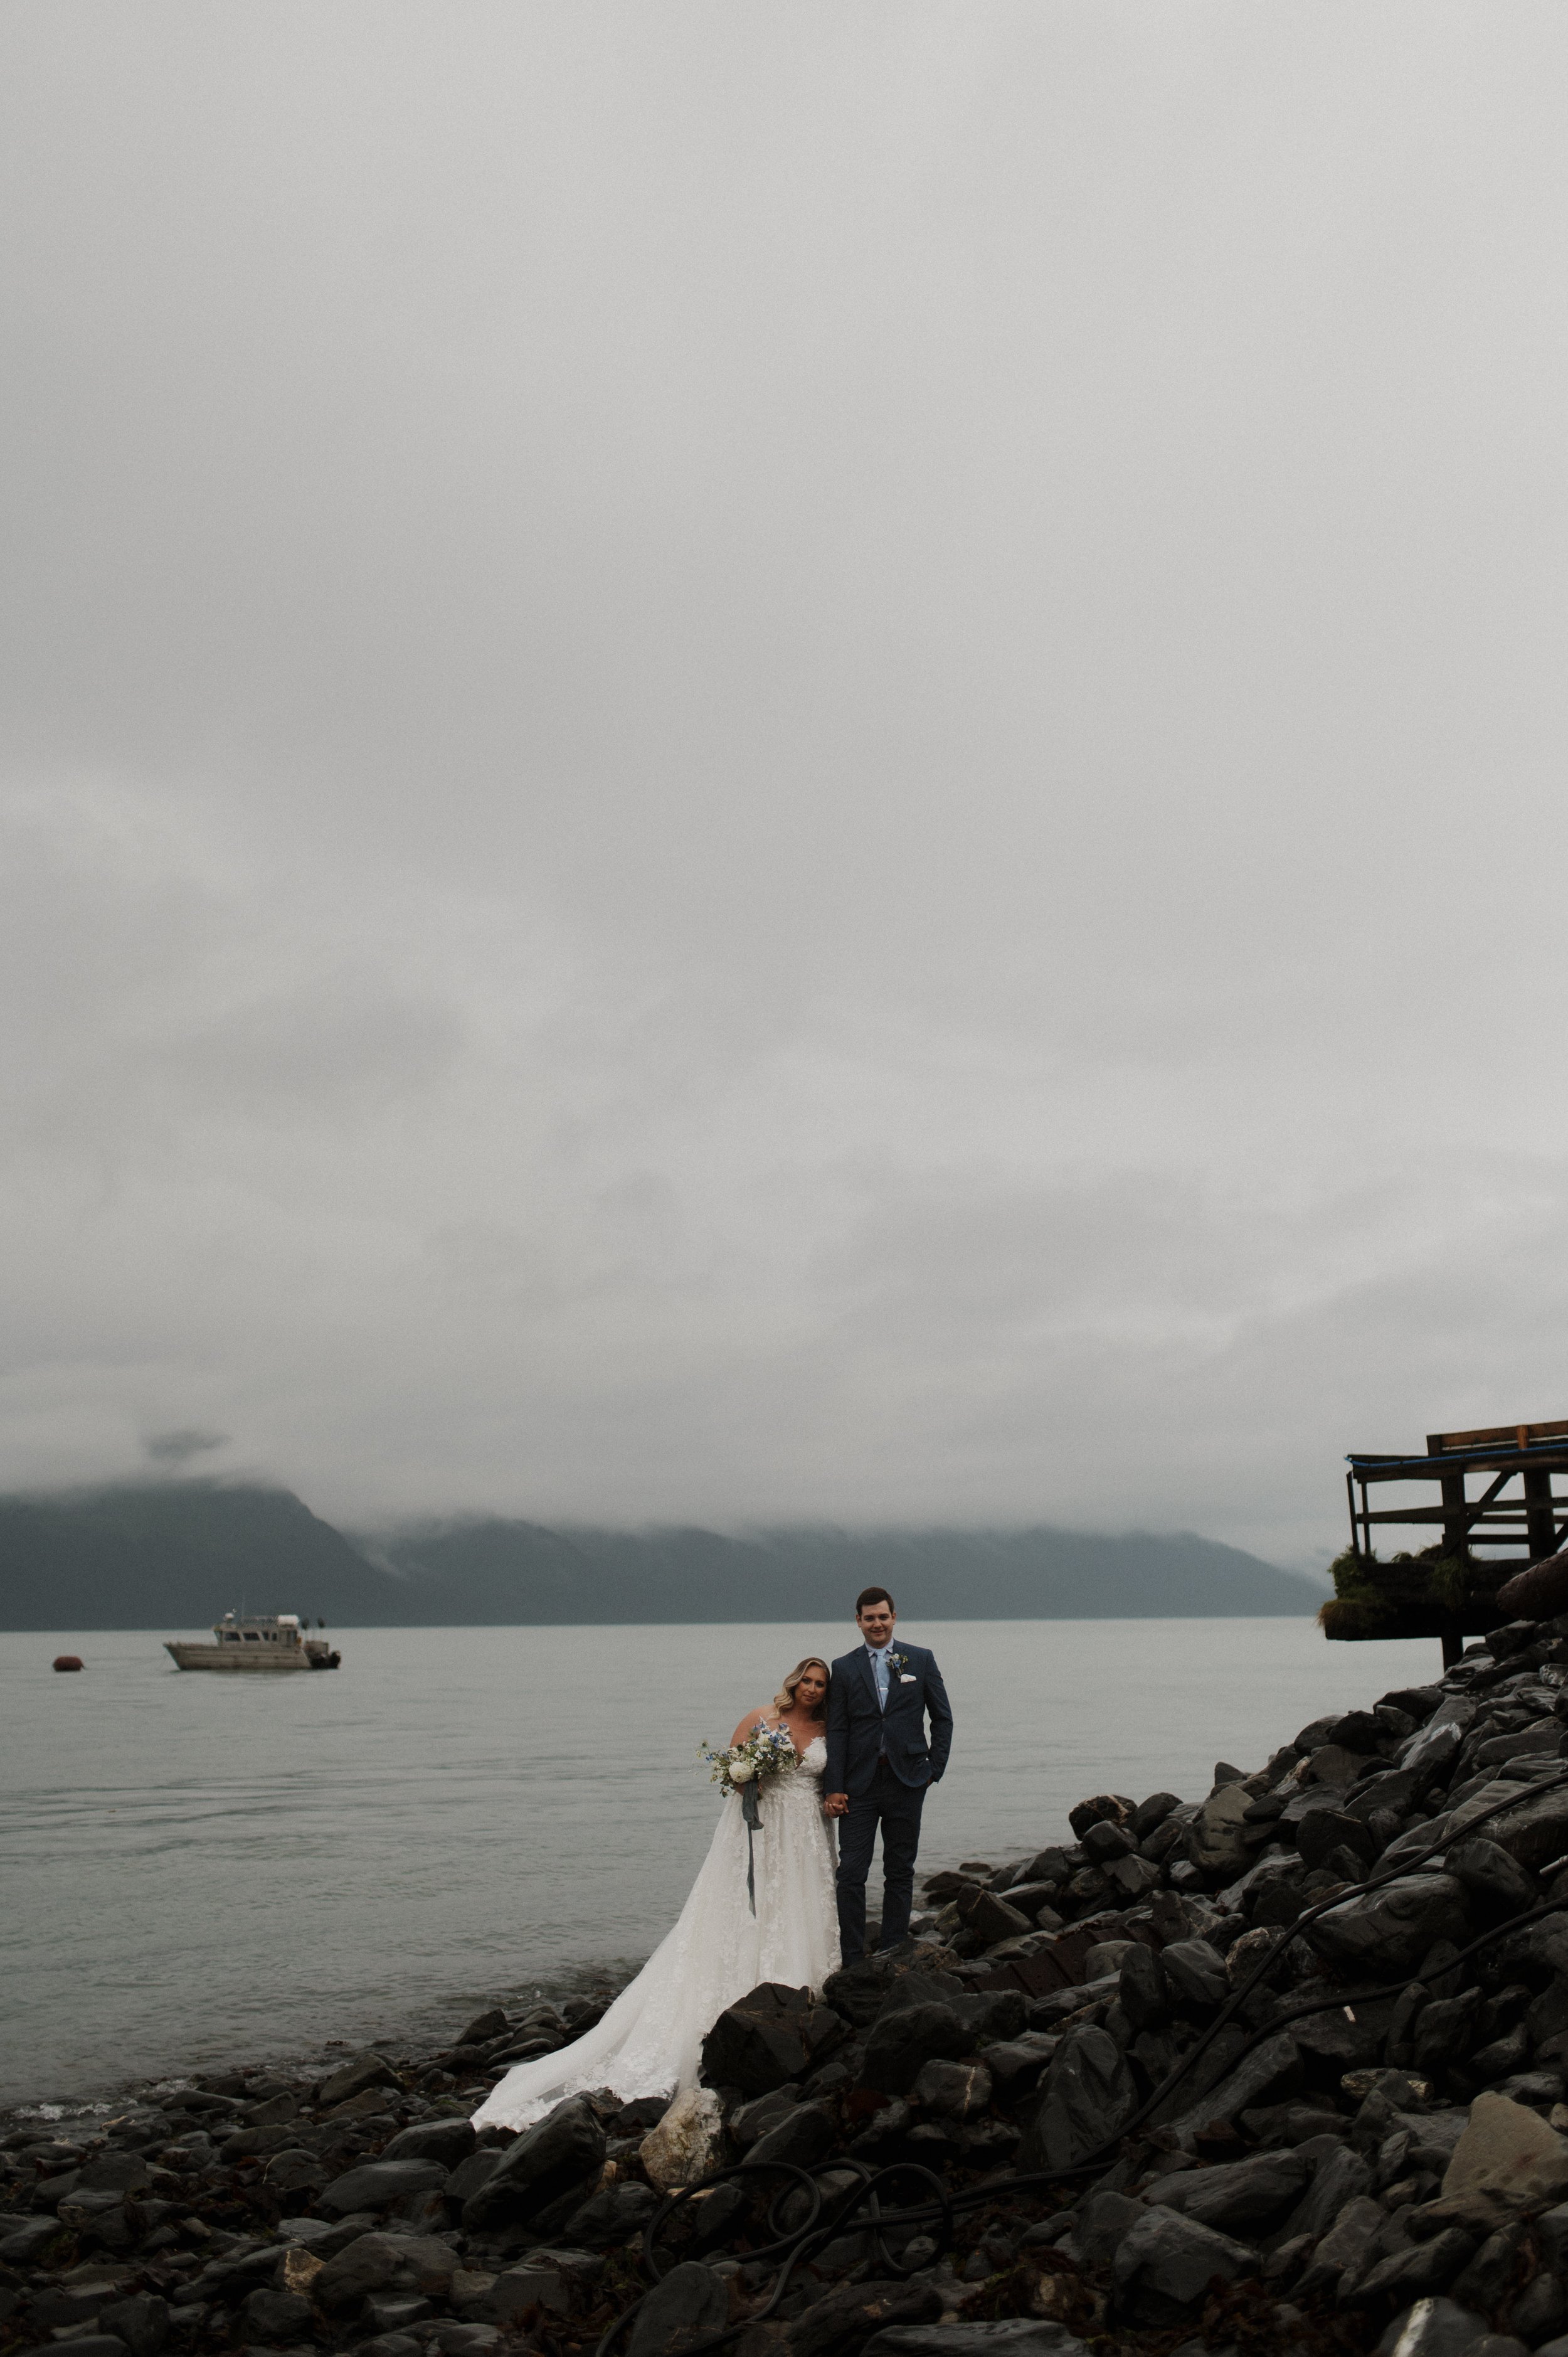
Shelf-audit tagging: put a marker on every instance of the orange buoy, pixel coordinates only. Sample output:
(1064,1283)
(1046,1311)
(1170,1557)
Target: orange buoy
(67,1661)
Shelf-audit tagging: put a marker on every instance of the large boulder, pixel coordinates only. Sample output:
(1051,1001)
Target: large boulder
(804,2135)
(1266,2075)
(1491,1876)
(1387,1931)
(688,2142)
(1166,2263)
(905,2039)
(1506,2160)
(1090,2094)
(1194,1974)
(612,2216)
(370,2263)
(447,2141)
(991,1918)
(952,2091)
(1437,2327)
(847,2317)
(352,2077)
(1238,2197)
(1217,1839)
(1539,1592)
(1343,2175)
(558,2152)
(376,2184)
(1534,1831)
(684,2305)
(770,2036)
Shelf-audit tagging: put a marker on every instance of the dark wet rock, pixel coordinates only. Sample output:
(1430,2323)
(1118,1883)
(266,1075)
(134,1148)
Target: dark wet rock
(1194,1976)
(856,1991)
(612,2216)
(1342,2177)
(902,2041)
(373,2261)
(1142,1991)
(96,2344)
(545,2161)
(749,2121)
(770,2036)
(1003,2336)
(991,1918)
(1323,1830)
(1491,2275)
(1265,2076)
(1166,2263)
(1238,2197)
(804,2135)
(1416,2274)
(1104,2217)
(469,2175)
(354,2077)
(926,1986)
(1391,1927)
(294,2170)
(1333,2042)
(447,2141)
(1540,2309)
(957,2090)
(1016,2062)
(376,2183)
(114,2172)
(21,2248)
(141,2322)
(1090,2091)
(690,2300)
(848,2317)
(276,2315)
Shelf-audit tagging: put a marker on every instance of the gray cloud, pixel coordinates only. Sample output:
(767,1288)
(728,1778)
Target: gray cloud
(177,1448)
(782,763)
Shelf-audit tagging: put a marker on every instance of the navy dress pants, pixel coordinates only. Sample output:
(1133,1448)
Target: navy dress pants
(895,1807)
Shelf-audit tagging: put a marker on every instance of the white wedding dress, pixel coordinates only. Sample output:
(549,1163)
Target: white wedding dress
(650,2041)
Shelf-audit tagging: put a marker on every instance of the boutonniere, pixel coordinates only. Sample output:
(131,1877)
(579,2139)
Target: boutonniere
(899,1661)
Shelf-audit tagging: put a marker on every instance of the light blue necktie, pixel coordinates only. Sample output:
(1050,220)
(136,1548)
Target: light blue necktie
(879,1671)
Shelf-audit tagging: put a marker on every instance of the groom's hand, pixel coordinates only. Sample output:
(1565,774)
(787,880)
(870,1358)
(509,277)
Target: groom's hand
(836,1804)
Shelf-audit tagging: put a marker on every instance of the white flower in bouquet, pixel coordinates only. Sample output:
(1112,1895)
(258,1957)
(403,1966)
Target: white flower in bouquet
(741,1771)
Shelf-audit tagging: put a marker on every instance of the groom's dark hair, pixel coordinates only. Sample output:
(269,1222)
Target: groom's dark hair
(872,1596)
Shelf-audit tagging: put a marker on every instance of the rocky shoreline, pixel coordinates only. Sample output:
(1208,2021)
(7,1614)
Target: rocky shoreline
(1283,2069)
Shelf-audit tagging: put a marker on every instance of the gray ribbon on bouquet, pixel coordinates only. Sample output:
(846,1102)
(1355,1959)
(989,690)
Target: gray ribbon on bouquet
(751,1811)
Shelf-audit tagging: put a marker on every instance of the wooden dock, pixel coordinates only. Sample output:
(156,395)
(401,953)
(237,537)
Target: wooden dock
(1478,1527)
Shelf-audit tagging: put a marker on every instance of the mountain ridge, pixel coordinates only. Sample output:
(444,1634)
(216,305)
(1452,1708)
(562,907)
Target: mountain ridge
(156,1553)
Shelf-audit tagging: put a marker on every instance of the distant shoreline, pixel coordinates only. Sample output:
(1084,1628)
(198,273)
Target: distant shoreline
(712,1621)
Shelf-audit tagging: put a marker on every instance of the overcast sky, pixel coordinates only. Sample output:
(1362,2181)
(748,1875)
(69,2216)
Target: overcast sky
(801,760)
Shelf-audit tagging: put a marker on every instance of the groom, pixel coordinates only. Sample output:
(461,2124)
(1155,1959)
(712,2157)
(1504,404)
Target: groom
(879,1765)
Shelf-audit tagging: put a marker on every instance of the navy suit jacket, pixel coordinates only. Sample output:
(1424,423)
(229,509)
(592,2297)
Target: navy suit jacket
(857,1727)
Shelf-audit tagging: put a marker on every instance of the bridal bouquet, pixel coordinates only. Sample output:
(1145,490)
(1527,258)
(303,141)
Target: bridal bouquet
(766,1751)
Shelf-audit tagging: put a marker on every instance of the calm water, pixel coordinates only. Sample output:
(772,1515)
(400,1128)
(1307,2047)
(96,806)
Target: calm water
(193,1867)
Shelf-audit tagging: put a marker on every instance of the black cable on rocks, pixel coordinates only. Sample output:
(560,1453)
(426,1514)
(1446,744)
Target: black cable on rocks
(796,2245)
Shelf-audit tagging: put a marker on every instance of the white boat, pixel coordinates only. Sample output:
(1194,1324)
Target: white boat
(269,1642)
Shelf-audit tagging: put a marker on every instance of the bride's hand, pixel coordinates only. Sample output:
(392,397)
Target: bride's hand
(835,1805)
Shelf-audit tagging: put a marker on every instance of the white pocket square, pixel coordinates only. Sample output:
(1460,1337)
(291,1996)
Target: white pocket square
(908,1679)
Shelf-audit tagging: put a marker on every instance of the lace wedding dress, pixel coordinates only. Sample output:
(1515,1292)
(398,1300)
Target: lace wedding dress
(649,2043)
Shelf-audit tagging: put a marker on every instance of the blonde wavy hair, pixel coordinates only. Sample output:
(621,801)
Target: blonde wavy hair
(785,1697)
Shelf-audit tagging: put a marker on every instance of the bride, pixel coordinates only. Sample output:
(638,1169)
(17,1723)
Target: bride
(649,2043)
